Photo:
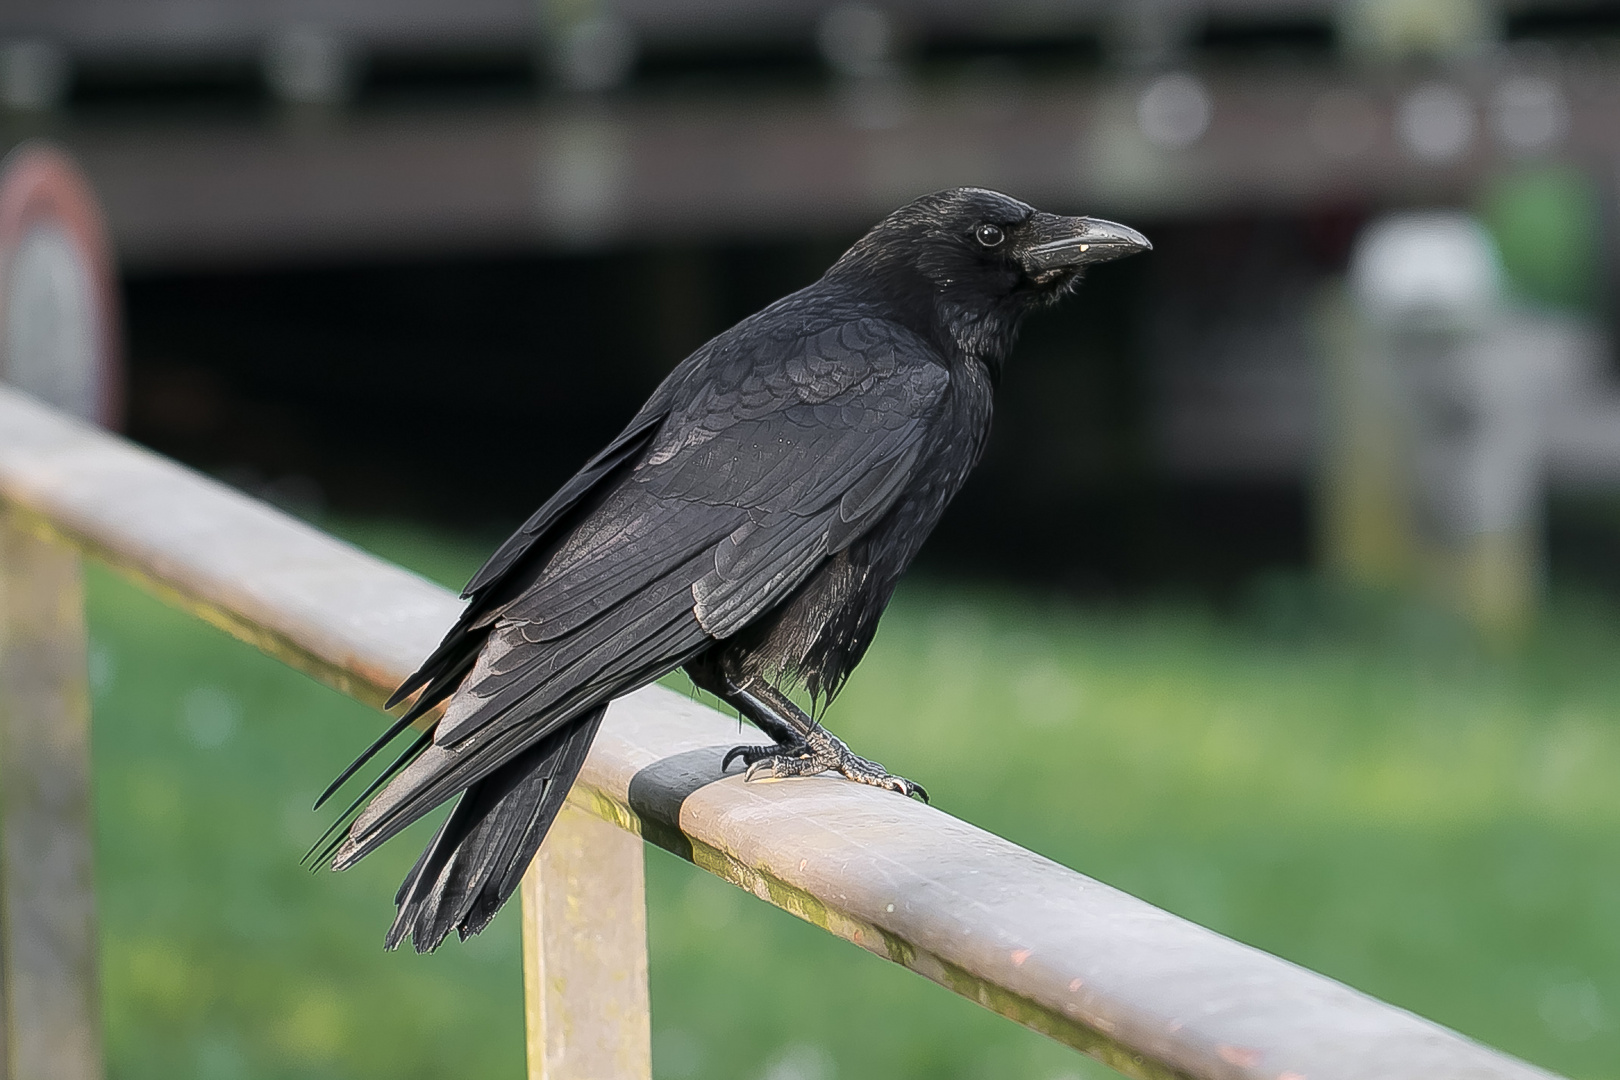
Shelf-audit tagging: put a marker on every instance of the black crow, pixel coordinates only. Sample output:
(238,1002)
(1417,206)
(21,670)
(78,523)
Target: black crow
(748,525)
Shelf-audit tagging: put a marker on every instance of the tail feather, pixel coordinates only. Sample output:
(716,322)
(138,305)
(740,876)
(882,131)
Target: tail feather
(331,838)
(631,648)
(365,755)
(480,853)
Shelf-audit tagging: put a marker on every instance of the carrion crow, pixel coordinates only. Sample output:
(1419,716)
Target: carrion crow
(748,525)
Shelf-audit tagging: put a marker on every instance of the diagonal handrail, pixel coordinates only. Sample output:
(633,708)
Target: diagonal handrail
(1144,991)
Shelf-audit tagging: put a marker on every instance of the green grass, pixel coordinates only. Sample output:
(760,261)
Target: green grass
(1345,782)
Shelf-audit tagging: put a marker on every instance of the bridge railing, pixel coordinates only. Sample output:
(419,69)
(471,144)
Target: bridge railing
(1150,994)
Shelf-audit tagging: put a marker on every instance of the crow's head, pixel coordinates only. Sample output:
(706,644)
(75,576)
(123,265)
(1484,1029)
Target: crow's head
(970,262)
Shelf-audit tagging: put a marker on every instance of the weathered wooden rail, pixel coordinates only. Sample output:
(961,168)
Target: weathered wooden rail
(1142,990)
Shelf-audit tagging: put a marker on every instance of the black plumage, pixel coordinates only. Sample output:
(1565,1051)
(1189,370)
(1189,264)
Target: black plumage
(749,524)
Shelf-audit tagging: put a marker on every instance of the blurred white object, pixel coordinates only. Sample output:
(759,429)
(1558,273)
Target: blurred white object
(59,321)
(1529,113)
(1175,111)
(49,345)
(309,65)
(857,40)
(1431,472)
(596,53)
(584,169)
(1433,269)
(1428,288)
(1574,1011)
(1437,122)
(34,74)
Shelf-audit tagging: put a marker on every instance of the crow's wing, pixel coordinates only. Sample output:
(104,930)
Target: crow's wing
(441,671)
(757,475)
(629,445)
(763,467)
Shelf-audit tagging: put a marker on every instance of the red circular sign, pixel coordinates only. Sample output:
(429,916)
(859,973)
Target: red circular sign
(59,312)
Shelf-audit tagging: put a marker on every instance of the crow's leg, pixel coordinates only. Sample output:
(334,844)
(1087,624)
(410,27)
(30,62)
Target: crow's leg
(708,673)
(803,747)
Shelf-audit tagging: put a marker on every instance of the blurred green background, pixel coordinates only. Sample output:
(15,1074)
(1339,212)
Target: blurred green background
(1342,778)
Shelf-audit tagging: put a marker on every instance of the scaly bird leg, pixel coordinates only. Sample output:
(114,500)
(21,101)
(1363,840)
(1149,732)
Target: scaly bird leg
(803,747)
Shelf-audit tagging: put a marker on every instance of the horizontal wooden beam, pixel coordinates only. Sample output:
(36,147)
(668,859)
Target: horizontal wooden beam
(1150,994)
(569,174)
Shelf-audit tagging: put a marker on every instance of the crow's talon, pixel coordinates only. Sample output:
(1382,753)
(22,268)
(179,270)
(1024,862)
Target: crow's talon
(777,767)
(748,754)
(782,763)
(900,785)
(751,755)
(821,752)
(859,769)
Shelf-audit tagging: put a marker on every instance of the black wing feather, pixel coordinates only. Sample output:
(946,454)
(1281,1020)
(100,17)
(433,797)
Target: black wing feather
(448,663)
(629,444)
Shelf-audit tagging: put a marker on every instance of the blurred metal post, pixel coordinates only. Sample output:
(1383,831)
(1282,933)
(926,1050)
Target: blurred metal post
(585,954)
(1433,464)
(57,341)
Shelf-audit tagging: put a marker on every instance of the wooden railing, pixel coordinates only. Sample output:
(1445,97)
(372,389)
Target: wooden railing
(1142,990)
(1147,993)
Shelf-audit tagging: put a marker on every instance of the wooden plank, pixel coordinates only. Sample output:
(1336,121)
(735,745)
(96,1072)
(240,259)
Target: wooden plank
(1148,993)
(585,954)
(47,901)
(561,173)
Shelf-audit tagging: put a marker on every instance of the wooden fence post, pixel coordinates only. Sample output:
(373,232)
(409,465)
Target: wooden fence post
(59,342)
(585,954)
(47,901)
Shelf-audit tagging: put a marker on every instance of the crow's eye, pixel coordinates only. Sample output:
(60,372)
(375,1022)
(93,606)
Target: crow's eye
(989,235)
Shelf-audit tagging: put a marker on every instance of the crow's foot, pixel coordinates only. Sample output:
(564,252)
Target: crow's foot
(820,752)
(751,754)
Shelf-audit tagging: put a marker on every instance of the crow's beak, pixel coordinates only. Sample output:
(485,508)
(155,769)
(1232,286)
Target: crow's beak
(1066,243)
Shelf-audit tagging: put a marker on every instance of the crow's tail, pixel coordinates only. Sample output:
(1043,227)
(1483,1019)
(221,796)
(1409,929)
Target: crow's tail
(478,857)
